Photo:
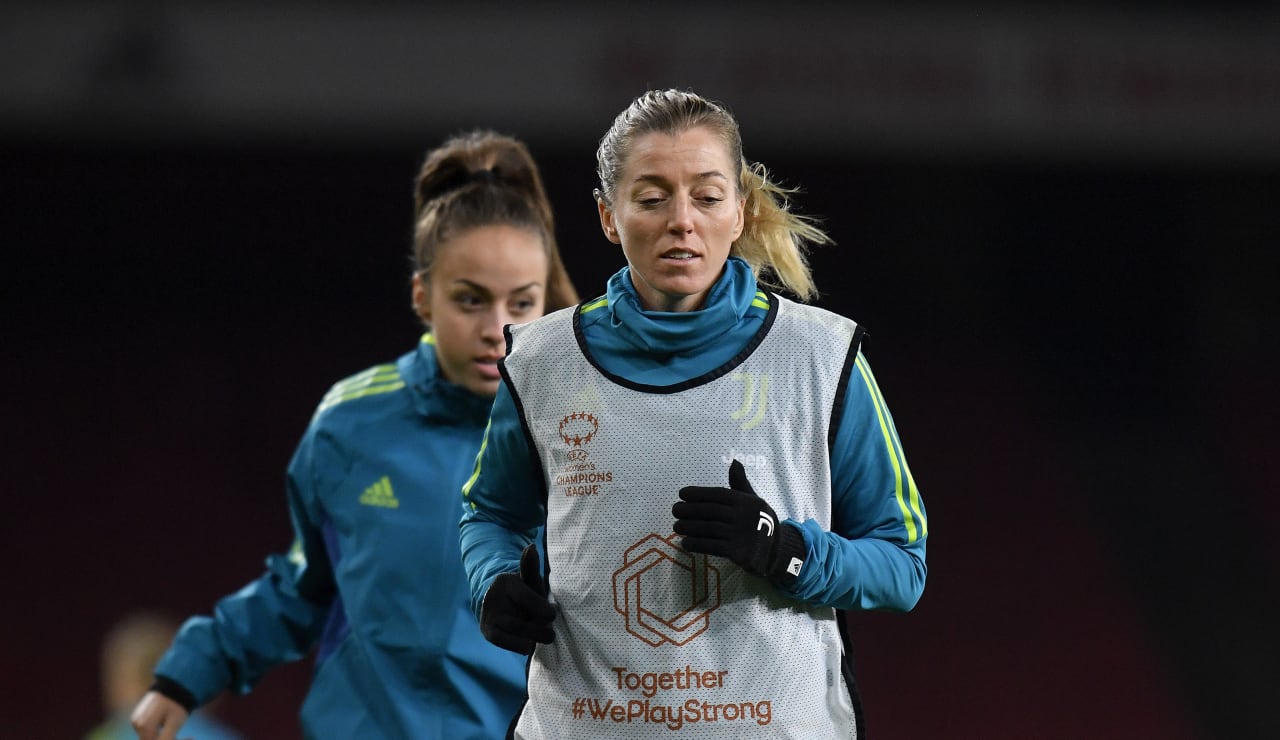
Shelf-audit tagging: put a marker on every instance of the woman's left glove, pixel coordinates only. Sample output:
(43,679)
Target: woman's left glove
(515,612)
(737,524)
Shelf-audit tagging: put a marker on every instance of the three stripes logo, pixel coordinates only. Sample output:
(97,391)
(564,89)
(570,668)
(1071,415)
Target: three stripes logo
(380,494)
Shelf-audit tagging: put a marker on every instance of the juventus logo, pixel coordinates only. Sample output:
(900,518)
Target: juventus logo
(755,392)
(765,521)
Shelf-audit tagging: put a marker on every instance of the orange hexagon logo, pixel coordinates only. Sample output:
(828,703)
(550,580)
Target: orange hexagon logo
(664,593)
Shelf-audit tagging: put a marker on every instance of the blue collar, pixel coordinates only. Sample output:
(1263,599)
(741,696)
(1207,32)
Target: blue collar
(679,332)
(435,398)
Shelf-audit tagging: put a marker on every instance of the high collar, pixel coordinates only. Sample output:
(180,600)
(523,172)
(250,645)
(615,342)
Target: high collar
(436,399)
(678,332)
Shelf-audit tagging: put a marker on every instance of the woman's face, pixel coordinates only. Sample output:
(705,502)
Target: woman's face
(482,279)
(676,212)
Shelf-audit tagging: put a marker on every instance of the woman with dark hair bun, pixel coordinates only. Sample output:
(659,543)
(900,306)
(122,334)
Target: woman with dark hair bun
(374,581)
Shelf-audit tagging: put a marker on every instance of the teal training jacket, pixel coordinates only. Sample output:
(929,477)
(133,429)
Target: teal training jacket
(874,555)
(374,580)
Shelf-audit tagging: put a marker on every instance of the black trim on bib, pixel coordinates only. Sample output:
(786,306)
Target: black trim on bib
(524,423)
(703,379)
(506,328)
(846,667)
(837,405)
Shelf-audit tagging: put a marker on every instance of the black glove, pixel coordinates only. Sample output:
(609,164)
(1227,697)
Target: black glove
(737,524)
(515,612)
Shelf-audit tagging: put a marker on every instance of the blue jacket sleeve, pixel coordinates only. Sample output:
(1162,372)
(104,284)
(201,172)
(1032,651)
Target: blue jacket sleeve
(874,557)
(504,501)
(272,620)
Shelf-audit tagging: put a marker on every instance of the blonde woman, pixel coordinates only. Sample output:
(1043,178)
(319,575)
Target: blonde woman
(715,467)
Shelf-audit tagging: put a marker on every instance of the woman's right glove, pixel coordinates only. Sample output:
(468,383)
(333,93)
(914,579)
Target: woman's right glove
(515,612)
(737,524)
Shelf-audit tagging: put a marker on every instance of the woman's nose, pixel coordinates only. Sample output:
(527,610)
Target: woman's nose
(681,221)
(494,323)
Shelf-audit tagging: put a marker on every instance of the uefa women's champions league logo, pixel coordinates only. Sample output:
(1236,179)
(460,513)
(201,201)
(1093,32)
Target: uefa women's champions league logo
(578,477)
(578,428)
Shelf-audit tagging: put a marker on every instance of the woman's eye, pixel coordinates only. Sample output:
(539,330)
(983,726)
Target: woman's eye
(470,301)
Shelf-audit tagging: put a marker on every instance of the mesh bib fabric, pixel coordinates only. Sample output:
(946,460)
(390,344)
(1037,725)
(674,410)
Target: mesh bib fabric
(652,641)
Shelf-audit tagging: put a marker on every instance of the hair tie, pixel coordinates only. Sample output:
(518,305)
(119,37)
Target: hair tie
(456,180)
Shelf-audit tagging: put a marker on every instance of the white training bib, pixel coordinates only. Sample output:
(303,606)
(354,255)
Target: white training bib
(652,641)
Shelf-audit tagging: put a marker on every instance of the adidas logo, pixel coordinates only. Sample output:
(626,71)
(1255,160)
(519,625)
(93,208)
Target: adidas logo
(380,494)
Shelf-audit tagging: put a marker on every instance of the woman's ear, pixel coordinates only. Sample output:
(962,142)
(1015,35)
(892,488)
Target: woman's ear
(607,223)
(421,298)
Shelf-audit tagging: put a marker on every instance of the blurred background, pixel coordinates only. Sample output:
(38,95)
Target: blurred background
(1059,225)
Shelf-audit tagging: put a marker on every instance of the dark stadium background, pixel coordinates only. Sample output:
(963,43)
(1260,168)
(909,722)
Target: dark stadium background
(1071,315)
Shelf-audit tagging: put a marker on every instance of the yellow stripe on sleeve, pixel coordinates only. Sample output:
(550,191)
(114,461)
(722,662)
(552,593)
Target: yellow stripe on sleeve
(371,382)
(369,390)
(475,474)
(913,492)
(373,376)
(912,514)
(597,303)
